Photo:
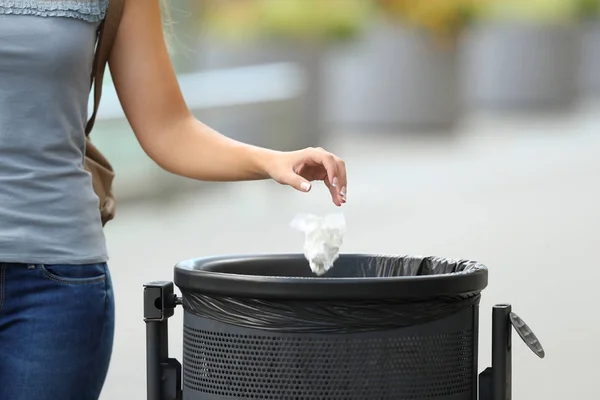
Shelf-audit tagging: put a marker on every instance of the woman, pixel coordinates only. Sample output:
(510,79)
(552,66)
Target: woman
(56,303)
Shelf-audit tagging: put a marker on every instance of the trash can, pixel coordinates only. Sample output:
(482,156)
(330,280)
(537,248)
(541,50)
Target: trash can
(372,327)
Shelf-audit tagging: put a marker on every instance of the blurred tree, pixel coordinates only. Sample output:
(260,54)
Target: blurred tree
(541,11)
(444,19)
(589,9)
(287,19)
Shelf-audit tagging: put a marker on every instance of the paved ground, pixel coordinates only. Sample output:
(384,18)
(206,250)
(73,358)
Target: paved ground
(520,195)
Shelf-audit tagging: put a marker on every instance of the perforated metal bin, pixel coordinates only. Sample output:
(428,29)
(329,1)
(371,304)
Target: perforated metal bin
(373,327)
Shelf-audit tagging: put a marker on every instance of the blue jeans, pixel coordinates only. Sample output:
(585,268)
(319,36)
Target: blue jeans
(56,331)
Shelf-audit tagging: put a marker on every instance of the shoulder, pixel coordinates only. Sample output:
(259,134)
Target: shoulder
(86,10)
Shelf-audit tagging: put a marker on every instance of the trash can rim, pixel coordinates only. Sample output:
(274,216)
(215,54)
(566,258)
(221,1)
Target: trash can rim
(191,275)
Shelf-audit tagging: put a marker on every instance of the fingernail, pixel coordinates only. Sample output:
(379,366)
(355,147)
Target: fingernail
(334,183)
(343,191)
(305,186)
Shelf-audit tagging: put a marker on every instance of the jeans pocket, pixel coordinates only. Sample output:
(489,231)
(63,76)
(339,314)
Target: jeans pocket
(86,274)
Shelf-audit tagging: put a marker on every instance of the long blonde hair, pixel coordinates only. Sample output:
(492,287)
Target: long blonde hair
(167,21)
(166,11)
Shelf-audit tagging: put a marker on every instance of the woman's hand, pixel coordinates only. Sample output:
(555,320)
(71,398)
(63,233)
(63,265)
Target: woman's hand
(299,168)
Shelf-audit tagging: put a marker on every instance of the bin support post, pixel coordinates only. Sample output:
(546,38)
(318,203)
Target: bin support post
(501,353)
(495,383)
(163,374)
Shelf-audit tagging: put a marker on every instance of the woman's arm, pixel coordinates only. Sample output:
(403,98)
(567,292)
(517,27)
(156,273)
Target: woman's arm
(168,132)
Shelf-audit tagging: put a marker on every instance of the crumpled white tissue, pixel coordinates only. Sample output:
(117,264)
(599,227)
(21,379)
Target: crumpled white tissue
(323,237)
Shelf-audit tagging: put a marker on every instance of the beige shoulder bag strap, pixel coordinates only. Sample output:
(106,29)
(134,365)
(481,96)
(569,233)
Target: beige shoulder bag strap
(98,166)
(107,35)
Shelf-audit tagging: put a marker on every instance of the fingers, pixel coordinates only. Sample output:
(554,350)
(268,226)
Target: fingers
(298,182)
(337,200)
(336,174)
(327,160)
(343,182)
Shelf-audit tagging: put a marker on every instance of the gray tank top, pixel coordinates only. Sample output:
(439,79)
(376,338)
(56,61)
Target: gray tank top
(48,209)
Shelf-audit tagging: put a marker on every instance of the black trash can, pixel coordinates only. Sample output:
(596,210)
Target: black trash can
(373,327)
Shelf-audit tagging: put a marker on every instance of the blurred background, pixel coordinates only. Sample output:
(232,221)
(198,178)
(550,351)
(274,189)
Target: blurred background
(470,128)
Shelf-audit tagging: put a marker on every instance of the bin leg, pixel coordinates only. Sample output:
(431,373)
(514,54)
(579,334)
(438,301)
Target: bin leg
(495,383)
(163,374)
(501,353)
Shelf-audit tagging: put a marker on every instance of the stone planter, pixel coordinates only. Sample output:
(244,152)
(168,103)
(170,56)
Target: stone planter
(516,66)
(289,125)
(391,79)
(590,59)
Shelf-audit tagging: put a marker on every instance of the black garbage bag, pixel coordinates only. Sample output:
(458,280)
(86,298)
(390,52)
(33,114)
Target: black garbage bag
(360,293)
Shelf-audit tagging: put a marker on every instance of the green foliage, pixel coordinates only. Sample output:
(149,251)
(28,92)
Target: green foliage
(533,11)
(589,9)
(299,19)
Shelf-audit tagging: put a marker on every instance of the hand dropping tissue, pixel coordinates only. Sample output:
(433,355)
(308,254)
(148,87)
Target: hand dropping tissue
(323,237)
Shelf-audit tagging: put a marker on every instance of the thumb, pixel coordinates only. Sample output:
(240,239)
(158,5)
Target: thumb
(297,182)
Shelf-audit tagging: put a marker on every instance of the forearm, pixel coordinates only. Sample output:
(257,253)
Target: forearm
(191,149)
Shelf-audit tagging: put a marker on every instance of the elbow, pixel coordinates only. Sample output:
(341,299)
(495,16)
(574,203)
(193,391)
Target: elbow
(162,152)
(174,146)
